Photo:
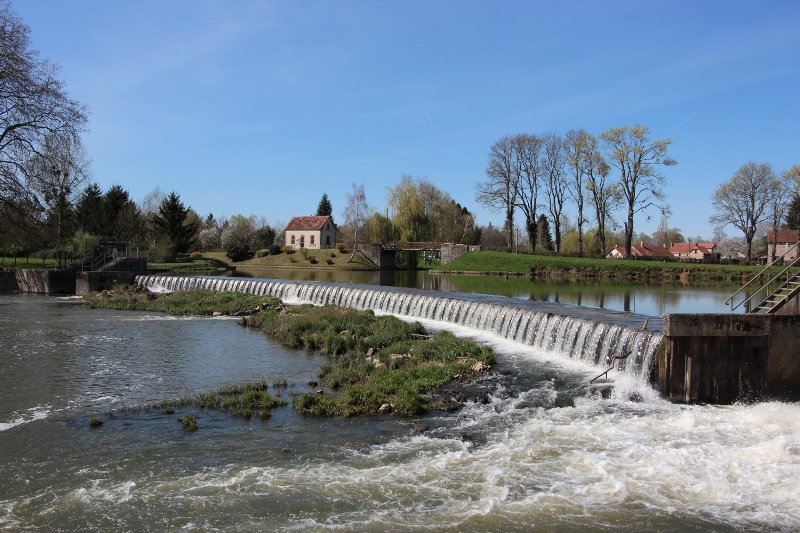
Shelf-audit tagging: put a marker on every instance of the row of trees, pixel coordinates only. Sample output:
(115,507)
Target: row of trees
(530,173)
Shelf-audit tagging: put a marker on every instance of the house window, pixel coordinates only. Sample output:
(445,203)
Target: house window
(312,240)
(302,241)
(292,239)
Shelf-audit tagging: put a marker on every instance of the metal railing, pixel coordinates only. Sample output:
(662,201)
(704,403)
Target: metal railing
(779,276)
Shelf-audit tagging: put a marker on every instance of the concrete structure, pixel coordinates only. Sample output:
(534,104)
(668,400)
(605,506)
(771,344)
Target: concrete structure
(313,233)
(722,358)
(384,256)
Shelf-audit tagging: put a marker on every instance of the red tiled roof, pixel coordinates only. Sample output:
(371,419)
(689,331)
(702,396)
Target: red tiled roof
(300,223)
(649,250)
(784,235)
(687,247)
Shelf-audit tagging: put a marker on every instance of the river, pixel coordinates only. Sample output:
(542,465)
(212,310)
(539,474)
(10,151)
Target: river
(543,455)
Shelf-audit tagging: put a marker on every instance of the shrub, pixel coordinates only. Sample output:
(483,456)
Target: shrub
(288,249)
(275,249)
(239,252)
(333,254)
(329,261)
(195,255)
(340,247)
(262,253)
(312,260)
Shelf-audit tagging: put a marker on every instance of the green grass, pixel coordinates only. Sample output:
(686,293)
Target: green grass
(339,260)
(204,303)
(540,265)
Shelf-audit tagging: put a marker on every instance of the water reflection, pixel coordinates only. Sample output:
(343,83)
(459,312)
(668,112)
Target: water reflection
(654,300)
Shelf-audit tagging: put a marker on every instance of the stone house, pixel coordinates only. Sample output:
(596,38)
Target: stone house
(694,251)
(783,241)
(312,232)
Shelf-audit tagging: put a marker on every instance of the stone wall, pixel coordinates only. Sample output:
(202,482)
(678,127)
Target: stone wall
(722,358)
(45,281)
(454,251)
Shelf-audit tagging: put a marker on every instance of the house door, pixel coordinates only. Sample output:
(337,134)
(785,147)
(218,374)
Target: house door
(302,241)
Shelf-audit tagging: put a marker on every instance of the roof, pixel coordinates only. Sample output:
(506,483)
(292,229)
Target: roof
(784,235)
(642,250)
(308,223)
(688,247)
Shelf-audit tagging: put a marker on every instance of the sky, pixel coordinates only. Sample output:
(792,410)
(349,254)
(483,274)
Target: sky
(259,107)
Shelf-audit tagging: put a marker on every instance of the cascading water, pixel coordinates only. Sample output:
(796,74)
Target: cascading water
(590,335)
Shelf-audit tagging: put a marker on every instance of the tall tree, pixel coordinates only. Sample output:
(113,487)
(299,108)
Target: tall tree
(638,160)
(355,215)
(529,152)
(580,146)
(89,210)
(324,209)
(604,197)
(173,223)
(34,106)
(556,183)
(746,199)
(499,192)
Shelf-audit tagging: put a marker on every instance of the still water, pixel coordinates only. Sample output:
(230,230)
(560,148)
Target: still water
(543,455)
(639,298)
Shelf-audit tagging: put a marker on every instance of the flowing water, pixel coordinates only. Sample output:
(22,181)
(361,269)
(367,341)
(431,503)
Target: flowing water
(545,454)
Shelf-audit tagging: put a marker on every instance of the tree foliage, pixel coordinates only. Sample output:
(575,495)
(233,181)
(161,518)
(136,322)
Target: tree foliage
(172,222)
(746,200)
(638,160)
(324,209)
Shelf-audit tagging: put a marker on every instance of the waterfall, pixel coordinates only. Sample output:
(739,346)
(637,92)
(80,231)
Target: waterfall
(591,335)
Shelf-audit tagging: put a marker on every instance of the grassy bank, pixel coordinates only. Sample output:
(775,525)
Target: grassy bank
(579,269)
(377,364)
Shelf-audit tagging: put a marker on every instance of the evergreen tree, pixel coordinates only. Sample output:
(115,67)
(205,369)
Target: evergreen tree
(115,201)
(89,211)
(544,239)
(793,216)
(324,209)
(171,222)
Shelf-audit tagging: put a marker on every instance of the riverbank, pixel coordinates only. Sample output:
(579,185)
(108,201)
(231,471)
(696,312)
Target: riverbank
(378,364)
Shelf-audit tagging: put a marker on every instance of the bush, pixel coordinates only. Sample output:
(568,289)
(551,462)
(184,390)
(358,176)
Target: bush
(312,260)
(239,252)
(262,253)
(329,261)
(195,255)
(275,249)
(333,255)
(340,247)
(288,249)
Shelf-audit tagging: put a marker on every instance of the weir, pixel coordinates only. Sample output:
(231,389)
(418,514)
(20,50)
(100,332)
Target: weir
(590,335)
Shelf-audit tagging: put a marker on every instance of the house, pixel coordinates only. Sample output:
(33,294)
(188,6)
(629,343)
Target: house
(782,243)
(312,232)
(642,250)
(694,251)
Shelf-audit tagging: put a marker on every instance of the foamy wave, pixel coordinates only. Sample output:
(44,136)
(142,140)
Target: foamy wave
(40,412)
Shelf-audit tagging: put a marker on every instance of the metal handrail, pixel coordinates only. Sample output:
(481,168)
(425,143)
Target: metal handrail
(765,269)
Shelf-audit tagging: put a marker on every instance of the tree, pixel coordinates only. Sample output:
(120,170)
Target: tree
(408,210)
(556,183)
(529,155)
(324,209)
(499,192)
(745,200)
(666,236)
(583,161)
(34,107)
(544,239)
(56,173)
(89,210)
(355,214)
(171,222)
(638,160)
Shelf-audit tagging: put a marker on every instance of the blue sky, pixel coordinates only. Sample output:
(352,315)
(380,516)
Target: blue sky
(259,107)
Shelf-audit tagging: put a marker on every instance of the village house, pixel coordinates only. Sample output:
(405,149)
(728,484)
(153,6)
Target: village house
(312,232)
(642,250)
(694,251)
(783,241)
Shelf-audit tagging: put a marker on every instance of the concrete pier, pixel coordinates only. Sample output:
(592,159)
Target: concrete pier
(723,358)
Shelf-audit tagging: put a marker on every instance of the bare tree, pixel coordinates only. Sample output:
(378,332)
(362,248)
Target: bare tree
(604,196)
(554,162)
(581,147)
(355,214)
(500,191)
(746,200)
(34,107)
(529,154)
(638,160)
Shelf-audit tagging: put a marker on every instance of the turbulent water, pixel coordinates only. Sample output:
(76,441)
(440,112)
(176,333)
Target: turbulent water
(545,454)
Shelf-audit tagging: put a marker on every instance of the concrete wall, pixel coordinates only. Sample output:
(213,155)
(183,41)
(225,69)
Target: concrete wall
(721,358)
(46,281)
(454,251)
(87,282)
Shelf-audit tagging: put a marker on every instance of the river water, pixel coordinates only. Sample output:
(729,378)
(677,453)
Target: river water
(543,455)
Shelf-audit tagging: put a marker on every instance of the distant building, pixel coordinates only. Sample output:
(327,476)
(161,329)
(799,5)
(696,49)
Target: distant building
(694,251)
(312,232)
(783,241)
(642,250)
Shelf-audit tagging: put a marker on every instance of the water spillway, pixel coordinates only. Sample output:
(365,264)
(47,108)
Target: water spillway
(590,335)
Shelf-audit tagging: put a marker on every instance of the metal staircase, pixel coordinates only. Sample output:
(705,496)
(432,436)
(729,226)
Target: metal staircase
(778,290)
